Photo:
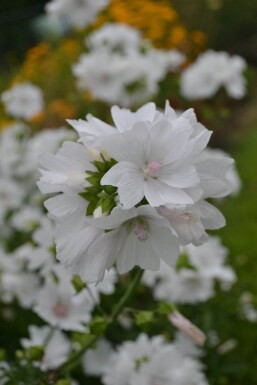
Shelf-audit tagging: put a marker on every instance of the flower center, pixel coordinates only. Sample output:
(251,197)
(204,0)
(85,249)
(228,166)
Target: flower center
(60,310)
(140,231)
(151,169)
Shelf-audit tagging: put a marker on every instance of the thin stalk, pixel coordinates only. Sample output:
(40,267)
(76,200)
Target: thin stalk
(73,361)
(133,284)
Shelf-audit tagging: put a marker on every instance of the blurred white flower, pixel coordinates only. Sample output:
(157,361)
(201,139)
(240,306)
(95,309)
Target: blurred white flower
(56,346)
(211,71)
(151,361)
(134,67)
(116,37)
(95,361)
(23,100)
(77,13)
(60,305)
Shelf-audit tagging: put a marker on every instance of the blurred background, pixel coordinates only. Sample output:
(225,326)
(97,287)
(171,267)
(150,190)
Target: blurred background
(32,48)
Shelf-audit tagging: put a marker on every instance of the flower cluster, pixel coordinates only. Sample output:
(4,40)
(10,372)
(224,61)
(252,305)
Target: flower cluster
(145,361)
(211,71)
(194,276)
(78,13)
(134,67)
(23,100)
(132,194)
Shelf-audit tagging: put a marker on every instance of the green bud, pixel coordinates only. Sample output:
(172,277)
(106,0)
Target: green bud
(2,355)
(94,179)
(144,317)
(98,326)
(35,353)
(184,262)
(107,203)
(165,308)
(91,208)
(101,166)
(109,189)
(78,283)
(63,382)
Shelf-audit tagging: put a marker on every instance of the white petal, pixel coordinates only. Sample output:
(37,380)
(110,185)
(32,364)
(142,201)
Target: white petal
(158,193)
(129,180)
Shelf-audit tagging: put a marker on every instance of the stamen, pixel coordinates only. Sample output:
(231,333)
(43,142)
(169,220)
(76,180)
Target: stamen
(140,231)
(60,310)
(154,167)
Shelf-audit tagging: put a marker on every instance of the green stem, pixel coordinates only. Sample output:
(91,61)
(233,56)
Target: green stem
(73,361)
(135,281)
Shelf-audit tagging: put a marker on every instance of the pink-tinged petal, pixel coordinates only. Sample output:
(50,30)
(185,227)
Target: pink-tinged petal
(158,193)
(129,180)
(184,176)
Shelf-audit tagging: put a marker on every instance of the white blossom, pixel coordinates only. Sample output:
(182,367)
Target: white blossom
(23,100)
(78,13)
(211,71)
(56,346)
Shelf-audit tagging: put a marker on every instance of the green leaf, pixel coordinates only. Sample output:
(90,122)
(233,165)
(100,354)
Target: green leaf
(94,190)
(35,353)
(101,166)
(91,208)
(107,204)
(165,308)
(94,179)
(144,317)
(98,325)
(81,338)
(109,189)
(63,382)
(78,283)
(89,197)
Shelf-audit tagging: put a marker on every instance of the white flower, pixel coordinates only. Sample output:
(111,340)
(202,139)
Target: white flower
(169,367)
(23,100)
(155,162)
(151,361)
(78,13)
(110,184)
(139,237)
(95,361)
(60,306)
(115,37)
(27,218)
(130,355)
(189,222)
(65,171)
(182,286)
(232,176)
(13,146)
(56,346)
(209,260)
(134,68)
(211,71)
(49,139)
